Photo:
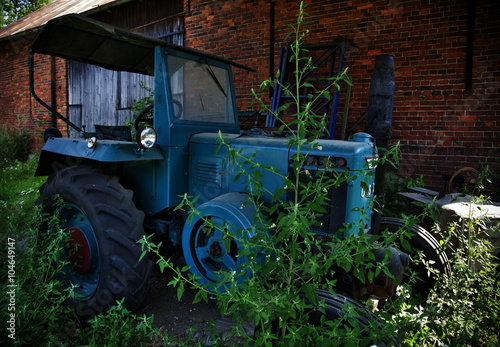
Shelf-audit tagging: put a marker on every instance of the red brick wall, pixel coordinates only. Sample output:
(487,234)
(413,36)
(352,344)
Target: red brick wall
(237,30)
(18,109)
(441,125)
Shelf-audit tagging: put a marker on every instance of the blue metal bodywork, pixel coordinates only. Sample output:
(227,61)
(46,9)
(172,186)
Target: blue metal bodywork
(61,152)
(193,103)
(103,151)
(211,172)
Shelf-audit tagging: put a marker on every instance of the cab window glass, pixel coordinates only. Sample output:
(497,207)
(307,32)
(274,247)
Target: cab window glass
(200,92)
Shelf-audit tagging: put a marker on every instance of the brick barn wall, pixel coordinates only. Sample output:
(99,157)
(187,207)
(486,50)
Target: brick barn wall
(18,109)
(237,30)
(441,125)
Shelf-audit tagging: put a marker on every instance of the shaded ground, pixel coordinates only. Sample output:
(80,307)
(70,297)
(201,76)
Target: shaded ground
(173,316)
(183,319)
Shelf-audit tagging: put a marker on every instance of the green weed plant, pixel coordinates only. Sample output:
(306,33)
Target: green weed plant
(292,271)
(463,309)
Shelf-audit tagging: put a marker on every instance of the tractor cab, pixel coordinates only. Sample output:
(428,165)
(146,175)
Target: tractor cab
(193,93)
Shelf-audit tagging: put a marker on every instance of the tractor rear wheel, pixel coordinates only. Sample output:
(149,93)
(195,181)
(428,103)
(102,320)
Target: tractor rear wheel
(102,249)
(351,315)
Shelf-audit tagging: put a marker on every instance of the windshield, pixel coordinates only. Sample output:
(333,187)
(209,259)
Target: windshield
(200,92)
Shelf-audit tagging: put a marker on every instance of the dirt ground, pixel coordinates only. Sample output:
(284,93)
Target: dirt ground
(173,316)
(183,319)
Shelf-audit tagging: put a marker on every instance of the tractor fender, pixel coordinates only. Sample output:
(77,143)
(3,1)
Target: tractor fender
(235,206)
(58,153)
(207,249)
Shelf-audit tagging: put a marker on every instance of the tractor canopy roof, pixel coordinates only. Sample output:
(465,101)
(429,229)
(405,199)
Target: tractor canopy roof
(82,39)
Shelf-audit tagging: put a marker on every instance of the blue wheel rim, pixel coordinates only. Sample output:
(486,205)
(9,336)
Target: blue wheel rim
(81,251)
(210,253)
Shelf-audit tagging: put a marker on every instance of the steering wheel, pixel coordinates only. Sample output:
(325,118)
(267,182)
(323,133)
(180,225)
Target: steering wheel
(141,117)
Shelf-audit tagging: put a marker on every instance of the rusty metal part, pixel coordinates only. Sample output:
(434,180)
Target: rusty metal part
(468,175)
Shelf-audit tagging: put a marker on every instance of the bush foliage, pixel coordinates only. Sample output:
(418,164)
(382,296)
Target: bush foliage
(15,145)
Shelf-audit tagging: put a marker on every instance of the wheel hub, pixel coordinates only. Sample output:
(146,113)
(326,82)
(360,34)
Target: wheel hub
(216,249)
(78,251)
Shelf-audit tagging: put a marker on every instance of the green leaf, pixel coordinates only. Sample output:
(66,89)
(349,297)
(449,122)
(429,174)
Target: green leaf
(317,207)
(227,243)
(197,297)
(143,253)
(371,276)
(309,292)
(180,291)
(162,264)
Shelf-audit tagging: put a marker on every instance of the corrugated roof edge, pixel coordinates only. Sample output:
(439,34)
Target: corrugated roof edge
(29,25)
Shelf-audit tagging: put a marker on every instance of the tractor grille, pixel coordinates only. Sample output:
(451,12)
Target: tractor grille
(333,219)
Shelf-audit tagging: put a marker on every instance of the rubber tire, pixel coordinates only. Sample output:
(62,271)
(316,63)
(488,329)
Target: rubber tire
(335,310)
(117,225)
(421,240)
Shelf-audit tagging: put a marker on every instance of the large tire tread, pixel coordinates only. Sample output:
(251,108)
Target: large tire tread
(424,241)
(366,320)
(117,224)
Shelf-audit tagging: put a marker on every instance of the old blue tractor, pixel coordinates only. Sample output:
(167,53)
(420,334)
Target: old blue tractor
(113,188)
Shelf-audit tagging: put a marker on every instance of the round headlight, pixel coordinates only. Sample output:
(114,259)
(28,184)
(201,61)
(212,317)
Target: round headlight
(91,142)
(146,137)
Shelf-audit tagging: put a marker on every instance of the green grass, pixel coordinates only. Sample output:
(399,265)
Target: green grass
(41,317)
(18,195)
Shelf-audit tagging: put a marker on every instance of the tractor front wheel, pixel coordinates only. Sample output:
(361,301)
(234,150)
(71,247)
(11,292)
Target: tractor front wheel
(101,250)
(212,241)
